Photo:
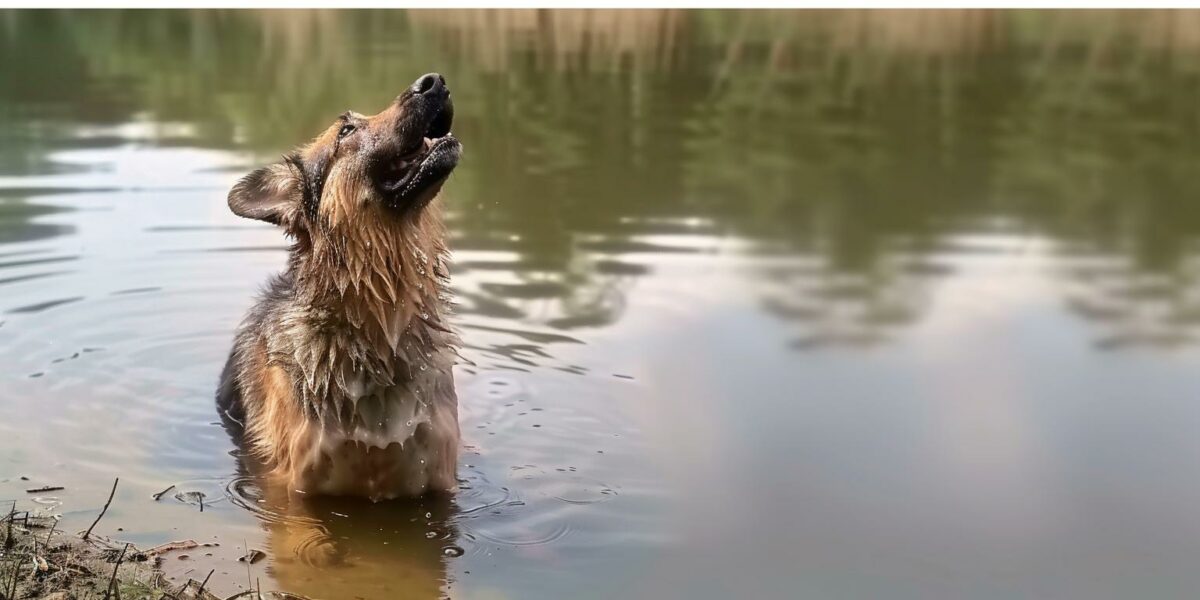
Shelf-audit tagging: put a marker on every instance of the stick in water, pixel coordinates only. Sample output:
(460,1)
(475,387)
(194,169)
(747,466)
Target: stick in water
(48,488)
(162,493)
(200,592)
(103,510)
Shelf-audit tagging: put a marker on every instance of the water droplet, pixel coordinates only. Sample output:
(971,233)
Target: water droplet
(429,535)
(453,551)
(409,423)
(428,515)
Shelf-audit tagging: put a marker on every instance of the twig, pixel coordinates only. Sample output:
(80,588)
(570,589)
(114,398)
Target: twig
(16,575)
(162,493)
(12,514)
(5,584)
(200,592)
(48,488)
(246,546)
(113,580)
(48,535)
(170,546)
(103,510)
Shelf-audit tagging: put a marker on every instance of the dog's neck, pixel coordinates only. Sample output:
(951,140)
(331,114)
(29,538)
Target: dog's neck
(376,297)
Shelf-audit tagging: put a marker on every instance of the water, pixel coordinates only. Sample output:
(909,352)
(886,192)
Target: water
(768,305)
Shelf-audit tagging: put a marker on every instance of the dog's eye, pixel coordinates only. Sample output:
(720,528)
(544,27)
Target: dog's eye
(346,130)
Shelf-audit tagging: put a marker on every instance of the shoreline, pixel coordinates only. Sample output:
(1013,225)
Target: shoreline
(39,561)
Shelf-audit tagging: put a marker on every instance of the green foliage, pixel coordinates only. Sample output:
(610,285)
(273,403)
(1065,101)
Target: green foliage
(840,133)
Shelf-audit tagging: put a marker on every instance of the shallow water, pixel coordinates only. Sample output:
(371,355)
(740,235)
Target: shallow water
(755,304)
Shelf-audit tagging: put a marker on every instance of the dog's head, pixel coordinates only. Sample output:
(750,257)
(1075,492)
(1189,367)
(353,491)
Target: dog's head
(361,171)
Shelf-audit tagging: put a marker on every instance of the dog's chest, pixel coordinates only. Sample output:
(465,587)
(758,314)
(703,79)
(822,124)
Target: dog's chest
(390,443)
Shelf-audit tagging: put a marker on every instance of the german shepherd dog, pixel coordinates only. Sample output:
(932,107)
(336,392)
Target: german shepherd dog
(339,382)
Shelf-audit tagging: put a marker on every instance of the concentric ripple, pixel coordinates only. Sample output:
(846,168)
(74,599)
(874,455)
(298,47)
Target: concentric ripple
(245,492)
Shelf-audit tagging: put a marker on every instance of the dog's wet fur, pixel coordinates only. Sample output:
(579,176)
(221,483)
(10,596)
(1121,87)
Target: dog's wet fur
(339,381)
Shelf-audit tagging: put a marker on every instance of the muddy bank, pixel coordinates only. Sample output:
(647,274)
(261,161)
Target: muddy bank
(39,561)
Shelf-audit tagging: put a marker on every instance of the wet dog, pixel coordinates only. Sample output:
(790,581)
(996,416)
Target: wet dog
(339,382)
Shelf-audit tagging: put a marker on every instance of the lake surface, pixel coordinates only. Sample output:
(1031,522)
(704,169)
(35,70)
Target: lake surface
(772,305)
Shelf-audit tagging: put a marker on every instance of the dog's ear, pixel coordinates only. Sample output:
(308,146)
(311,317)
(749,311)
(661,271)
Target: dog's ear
(273,194)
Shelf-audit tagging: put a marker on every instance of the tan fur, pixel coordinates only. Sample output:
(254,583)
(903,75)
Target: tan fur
(279,429)
(377,339)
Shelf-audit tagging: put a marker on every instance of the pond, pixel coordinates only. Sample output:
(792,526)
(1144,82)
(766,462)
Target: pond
(754,304)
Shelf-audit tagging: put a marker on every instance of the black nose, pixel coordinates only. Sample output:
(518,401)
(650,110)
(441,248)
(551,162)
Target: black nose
(429,84)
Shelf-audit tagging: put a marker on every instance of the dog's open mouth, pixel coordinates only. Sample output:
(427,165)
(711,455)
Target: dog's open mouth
(427,160)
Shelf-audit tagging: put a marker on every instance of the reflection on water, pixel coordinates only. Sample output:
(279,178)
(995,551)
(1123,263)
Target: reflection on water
(850,304)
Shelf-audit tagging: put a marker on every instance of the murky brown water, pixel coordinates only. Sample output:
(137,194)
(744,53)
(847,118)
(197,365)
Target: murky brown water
(770,305)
